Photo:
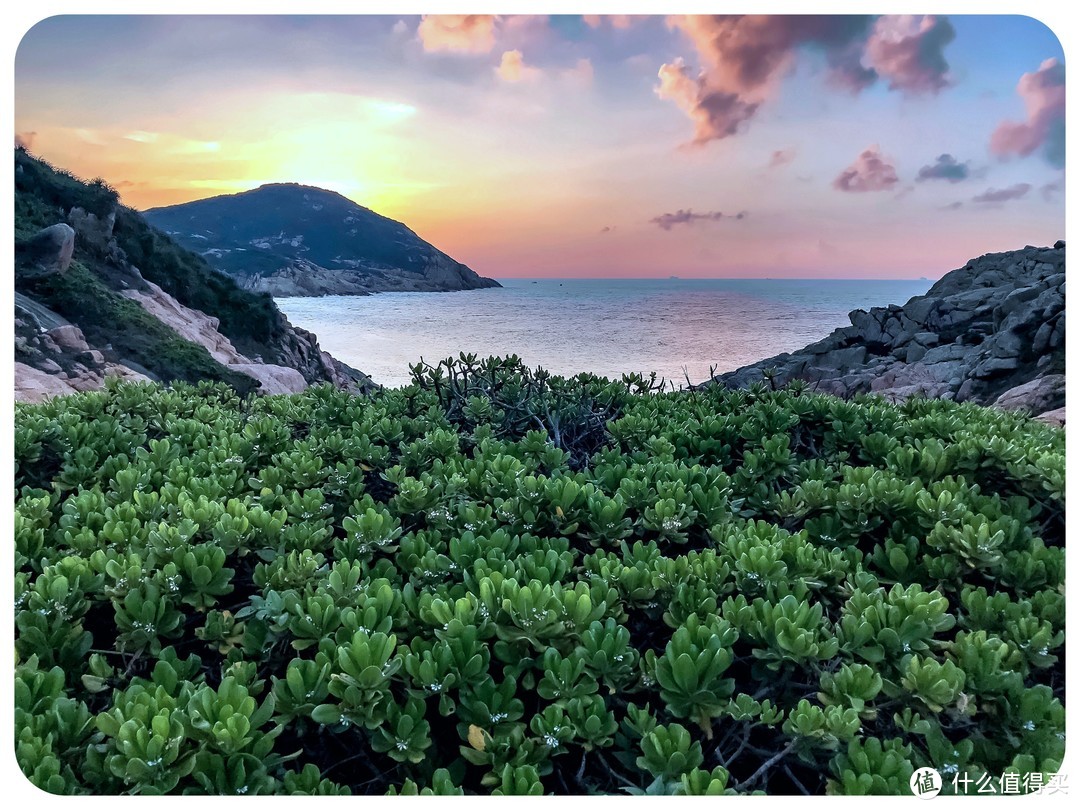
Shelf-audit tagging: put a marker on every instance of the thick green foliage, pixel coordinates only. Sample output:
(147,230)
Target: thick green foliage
(420,593)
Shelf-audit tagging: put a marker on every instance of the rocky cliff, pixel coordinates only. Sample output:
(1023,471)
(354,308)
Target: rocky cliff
(287,240)
(99,293)
(991,332)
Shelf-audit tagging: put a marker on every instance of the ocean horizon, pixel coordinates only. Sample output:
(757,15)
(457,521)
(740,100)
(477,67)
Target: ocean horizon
(679,328)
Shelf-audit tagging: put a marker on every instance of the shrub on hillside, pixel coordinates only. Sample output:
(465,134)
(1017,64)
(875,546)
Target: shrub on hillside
(417,592)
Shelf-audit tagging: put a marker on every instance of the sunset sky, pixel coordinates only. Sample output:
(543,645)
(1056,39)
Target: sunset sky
(579,146)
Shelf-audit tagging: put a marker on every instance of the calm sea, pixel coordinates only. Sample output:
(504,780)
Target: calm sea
(675,327)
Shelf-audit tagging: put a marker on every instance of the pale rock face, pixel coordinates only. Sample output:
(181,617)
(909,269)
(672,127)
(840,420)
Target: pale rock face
(1055,417)
(1035,396)
(39,384)
(200,328)
(35,385)
(190,324)
(274,379)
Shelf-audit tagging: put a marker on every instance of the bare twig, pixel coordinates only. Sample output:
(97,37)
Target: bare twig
(794,779)
(767,764)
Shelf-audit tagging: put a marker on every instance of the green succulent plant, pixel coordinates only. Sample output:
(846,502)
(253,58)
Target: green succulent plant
(496,580)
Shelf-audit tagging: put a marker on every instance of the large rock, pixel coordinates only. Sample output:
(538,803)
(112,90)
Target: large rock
(1055,417)
(34,385)
(47,253)
(91,227)
(1035,396)
(69,338)
(273,379)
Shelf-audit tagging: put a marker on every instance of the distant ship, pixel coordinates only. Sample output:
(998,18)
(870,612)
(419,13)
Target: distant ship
(673,277)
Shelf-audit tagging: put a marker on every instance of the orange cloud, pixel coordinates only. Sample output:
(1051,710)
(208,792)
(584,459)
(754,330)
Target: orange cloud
(715,113)
(512,68)
(461,33)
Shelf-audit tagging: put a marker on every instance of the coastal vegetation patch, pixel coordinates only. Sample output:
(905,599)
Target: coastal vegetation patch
(498,581)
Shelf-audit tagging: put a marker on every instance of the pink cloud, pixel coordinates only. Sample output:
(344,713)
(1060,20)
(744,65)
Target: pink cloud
(744,58)
(871,171)
(686,216)
(781,157)
(909,51)
(1000,195)
(25,140)
(716,114)
(1043,93)
(461,33)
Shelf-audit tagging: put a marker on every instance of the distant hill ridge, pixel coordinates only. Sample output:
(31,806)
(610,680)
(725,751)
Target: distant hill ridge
(289,239)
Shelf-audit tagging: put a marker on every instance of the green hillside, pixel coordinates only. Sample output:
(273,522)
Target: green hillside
(110,240)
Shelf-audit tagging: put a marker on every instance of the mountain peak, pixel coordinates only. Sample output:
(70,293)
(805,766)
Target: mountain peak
(295,239)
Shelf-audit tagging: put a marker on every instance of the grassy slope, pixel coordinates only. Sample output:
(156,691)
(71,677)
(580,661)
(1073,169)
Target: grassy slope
(86,294)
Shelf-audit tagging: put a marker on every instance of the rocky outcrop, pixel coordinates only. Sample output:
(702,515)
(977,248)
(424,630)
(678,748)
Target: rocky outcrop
(991,332)
(47,253)
(72,324)
(202,329)
(291,240)
(58,361)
